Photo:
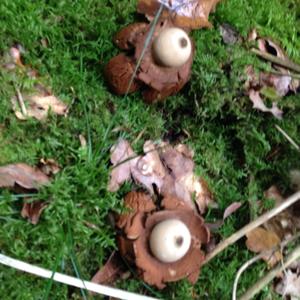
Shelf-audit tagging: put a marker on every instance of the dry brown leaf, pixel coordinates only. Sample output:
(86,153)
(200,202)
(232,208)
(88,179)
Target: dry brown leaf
(113,268)
(259,104)
(169,169)
(261,240)
(33,210)
(38,106)
(231,209)
(38,102)
(290,285)
(191,14)
(274,85)
(122,158)
(23,175)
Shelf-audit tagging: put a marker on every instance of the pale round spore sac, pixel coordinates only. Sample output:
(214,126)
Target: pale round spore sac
(170,240)
(172,47)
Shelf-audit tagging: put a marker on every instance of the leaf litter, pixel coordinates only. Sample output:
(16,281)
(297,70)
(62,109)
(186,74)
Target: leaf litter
(169,168)
(22,178)
(36,102)
(272,85)
(266,238)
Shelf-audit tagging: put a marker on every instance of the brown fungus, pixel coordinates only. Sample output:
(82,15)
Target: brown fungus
(136,228)
(156,81)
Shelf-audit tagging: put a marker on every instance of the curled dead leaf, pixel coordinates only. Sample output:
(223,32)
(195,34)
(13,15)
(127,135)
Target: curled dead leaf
(169,169)
(23,175)
(39,106)
(33,210)
(233,207)
(261,240)
(191,14)
(259,104)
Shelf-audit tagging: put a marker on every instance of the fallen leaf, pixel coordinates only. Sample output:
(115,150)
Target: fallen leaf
(39,101)
(33,210)
(113,268)
(231,209)
(191,14)
(23,175)
(289,285)
(49,166)
(122,158)
(272,85)
(169,169)
(39,106)
(261,240)
(259,104)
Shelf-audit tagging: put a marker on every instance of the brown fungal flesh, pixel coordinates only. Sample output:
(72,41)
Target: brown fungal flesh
(136,226)
(157,82)
(118,73)
(160,81)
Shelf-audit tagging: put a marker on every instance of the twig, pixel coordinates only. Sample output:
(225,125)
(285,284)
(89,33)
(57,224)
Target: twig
(21,102)
(258,257)
(259,221)
(276,60)
(69,280)
(245,266)
(287,137)
(292,75)
(293,256)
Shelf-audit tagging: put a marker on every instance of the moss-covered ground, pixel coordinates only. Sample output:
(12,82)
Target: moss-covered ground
(238,150)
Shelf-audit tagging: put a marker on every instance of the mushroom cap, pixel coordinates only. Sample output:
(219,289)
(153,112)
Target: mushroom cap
(172,47)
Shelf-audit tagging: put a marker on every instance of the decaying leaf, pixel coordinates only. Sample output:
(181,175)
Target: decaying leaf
(289,285)
(259,104)
(23,175)
(39,106)
(271,85)
(276,230)
(122,158)
(261,240)
(170,169)
(113,268)
(191,14)
(36,102)
(33,210)
(231,209)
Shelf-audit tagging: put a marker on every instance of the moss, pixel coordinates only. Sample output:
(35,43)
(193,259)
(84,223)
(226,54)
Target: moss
(238,150)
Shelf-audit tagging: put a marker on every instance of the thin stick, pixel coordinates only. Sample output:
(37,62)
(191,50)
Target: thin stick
(292,75)
(249,294)
(72,281)
(259,221)
(258,257)
(287,137)
(21,102)
(245,266)
(276,60)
